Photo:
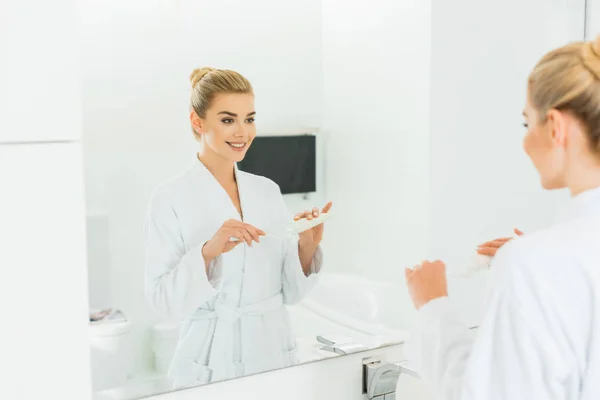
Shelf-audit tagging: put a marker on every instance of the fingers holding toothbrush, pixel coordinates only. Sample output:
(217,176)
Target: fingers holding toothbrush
(312,237)
(491,247)
(518,232)
(222,241)
(327,207)
(314,213)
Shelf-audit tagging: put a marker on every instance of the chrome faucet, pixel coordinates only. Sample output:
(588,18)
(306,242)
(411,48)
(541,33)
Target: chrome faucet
(380,378)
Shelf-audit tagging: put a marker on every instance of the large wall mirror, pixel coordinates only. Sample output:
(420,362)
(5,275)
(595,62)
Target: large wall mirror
(197,180)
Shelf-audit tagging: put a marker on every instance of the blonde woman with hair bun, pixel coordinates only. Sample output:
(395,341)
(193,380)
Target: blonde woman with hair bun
(209,260)
(540,337)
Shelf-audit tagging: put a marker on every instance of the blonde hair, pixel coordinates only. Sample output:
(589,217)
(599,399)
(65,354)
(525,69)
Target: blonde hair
(568,79)
(209,82)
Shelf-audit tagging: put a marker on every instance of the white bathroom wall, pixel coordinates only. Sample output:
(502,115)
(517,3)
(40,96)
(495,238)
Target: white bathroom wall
(43,292)
(44,343)
(592,19)
(37,66)
(482,183)
(376,58)
(136,59)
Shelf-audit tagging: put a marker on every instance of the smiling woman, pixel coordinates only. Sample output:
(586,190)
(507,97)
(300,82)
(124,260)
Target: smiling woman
(222,110)
(229,295)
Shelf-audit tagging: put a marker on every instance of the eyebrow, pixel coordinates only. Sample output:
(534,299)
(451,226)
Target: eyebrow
(234,114)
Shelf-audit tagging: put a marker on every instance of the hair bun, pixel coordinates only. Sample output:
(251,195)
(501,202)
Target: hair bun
(591,56)
(198,74)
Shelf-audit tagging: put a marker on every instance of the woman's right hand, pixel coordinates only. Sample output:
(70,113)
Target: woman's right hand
(490,248)
(221,243)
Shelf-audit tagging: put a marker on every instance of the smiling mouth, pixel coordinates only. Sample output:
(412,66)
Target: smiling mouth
(237,146)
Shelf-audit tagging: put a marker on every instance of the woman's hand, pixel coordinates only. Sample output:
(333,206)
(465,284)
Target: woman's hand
(220,242)
(426,282)
(490,248)
(311,238)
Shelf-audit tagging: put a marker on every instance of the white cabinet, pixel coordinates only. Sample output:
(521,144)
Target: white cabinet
(43,285)
(39,74)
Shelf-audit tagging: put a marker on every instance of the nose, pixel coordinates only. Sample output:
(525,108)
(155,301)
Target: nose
(242,131)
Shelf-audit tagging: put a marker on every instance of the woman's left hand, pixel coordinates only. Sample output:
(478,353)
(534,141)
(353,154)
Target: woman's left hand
(426,282)
(491,248)
(311,238)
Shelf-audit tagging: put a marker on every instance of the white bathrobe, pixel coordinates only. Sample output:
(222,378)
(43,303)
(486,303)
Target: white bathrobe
(234,321)
(540,338)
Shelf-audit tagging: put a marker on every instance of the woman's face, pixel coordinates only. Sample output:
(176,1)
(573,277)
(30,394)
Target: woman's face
(228,127)
(544,143)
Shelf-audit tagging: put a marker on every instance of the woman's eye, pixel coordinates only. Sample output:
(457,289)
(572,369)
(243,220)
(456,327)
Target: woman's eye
(227,121)
(250,120)
(525,125)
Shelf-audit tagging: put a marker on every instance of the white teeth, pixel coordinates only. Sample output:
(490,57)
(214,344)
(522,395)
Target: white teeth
(238,145)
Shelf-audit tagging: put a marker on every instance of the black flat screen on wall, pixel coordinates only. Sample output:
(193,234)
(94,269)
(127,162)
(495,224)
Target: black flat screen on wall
(290,161)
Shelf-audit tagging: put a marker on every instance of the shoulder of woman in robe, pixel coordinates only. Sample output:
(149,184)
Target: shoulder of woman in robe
(527,248)
(164,195)
(174,186)
(540,277)
(533,258)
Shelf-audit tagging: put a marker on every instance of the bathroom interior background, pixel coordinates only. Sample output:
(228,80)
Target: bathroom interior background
(398,101)
(38,57)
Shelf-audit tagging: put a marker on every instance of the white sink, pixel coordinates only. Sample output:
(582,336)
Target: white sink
(351,305)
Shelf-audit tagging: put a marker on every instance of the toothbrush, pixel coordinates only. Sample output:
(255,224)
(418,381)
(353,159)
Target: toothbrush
(296,227)
(304,224)
(478,262)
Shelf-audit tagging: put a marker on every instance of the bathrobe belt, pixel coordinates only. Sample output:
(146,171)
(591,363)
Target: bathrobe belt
(221,351)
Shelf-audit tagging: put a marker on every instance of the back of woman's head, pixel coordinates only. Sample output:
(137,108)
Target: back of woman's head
(209,82)
(568,79)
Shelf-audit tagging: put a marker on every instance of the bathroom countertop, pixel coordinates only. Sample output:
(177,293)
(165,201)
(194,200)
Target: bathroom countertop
(140,386)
